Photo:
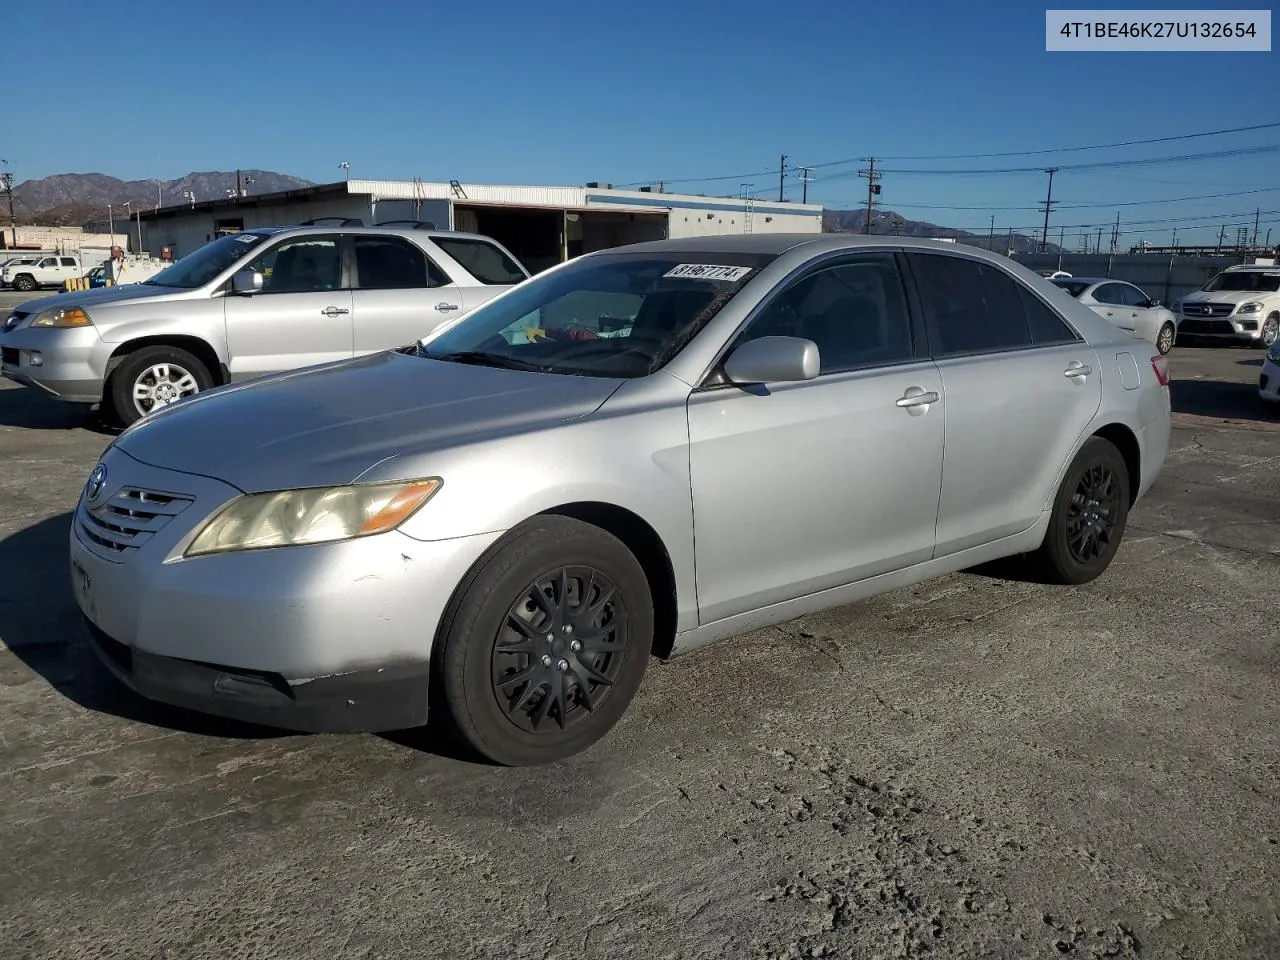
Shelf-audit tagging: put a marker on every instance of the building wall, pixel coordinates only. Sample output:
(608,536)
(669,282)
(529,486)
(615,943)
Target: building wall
(705,223)
(67,239)
(183,233)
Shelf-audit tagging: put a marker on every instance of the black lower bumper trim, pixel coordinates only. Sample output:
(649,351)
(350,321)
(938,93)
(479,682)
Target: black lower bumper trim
(393,697)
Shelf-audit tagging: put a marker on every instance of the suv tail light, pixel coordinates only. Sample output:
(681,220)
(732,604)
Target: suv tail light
(1161,366)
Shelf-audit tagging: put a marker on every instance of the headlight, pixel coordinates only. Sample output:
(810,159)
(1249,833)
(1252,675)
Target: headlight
(1176,306)
(63,317)
(318,515)
(1253,306)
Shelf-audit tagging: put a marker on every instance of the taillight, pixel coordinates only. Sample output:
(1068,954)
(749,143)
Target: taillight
(1161,366)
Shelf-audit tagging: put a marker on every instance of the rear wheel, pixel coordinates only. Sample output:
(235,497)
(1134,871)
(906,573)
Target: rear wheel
(545,647)
(1165,338)
(151,378)
(1089,516)
(24,282)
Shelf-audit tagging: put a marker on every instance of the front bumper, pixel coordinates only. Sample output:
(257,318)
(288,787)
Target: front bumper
(327,637)
(68,363)
(1244,327)
(1269,381)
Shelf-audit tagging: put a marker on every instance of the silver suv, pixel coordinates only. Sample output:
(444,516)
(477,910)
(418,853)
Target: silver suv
(248,304)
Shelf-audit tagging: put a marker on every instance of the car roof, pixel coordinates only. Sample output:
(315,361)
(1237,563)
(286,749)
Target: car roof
(1252,268)
(780,243)
(1088,280)
(376,230)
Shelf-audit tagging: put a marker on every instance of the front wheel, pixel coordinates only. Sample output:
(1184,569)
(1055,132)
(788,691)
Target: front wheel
(1165,338)
(151,378)
(546,646)
(1089,516)
(25,283)
(1270,330)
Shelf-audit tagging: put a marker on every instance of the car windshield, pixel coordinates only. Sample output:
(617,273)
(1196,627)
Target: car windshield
(609,316)
(1073,287)
(1244,280)
(199,267)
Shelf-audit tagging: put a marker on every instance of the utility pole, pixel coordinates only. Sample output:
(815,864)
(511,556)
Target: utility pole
(1221,236)
(7,179)
(1115,235)
(805,179)
(1097,247)
(873,190)
(239,187)
(1062,238)
(991,237)
(111,224)
(1257,214)
(897,226)
(1048,205)
(1175,239)
(782,175)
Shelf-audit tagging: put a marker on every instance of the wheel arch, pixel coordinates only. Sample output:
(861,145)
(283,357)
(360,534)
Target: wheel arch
(198,347)
(647,546)
(1126,441)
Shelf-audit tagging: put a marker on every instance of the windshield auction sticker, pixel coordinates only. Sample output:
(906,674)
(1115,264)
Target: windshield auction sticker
(707,271)
(1139,31)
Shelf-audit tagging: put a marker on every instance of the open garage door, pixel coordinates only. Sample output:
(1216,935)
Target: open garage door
(541,238)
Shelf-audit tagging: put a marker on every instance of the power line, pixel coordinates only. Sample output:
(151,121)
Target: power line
(1031,153)
(1074,204)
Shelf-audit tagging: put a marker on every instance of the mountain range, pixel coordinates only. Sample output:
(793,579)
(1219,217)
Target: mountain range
(67,199)
(74,199)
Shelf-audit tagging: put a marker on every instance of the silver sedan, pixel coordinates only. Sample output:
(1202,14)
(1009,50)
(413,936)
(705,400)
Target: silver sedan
(635,453)
(1127,306)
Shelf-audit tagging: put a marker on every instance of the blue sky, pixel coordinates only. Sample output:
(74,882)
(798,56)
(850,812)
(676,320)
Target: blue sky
(562,92)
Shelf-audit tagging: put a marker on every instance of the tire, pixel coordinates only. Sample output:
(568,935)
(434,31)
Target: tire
(1270,331)
(24,282)
(479,693)
(137,371)
(1165,338)
(1096,467)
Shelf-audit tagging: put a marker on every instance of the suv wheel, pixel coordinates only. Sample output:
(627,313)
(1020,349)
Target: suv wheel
(151,378)
(1270,330)
(545,646)
(24,282)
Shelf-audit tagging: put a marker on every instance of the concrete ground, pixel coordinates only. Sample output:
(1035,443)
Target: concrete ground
(972,767)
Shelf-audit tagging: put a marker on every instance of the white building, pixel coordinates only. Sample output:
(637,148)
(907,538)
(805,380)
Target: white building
(542,226)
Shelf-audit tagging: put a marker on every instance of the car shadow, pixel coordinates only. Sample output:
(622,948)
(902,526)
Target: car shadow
(1251,362)
(1220,399)
(29,408)
(41,626)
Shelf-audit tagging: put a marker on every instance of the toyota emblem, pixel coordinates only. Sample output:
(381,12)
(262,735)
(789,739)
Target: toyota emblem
(97,480)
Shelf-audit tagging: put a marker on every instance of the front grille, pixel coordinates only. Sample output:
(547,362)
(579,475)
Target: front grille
(1207,309)
(9,355)
(1205,326)
(120,525)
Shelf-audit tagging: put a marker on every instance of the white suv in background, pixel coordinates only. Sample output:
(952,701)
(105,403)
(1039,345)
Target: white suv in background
(1240,303)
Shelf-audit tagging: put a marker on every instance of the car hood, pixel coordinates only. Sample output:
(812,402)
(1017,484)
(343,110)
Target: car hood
(98,297)
(1226,296)
(327,425)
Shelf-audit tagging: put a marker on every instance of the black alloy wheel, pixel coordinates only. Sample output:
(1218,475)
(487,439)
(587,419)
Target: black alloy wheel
(1091,518)
(558,654)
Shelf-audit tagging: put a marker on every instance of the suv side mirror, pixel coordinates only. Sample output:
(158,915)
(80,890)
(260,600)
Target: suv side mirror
(773,360)
(246,281)
(1153,302)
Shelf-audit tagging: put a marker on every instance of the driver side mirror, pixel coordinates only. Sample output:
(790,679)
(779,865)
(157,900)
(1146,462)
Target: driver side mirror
(1153,302)
(246,281)
(773,360)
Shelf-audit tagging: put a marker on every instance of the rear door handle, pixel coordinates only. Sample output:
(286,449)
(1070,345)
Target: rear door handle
(445,307)
(1077,369)
(916,397)
(333,312)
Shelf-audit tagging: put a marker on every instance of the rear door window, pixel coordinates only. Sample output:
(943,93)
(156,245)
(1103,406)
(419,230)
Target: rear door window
(483,260)
(972,307)
(68,262)
(391,263)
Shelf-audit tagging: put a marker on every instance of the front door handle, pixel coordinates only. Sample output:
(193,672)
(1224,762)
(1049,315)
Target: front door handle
(332,312)
(1077,369)
(445,307)
(916,397)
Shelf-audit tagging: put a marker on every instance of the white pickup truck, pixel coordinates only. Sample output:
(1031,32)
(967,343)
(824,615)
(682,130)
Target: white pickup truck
(50,270)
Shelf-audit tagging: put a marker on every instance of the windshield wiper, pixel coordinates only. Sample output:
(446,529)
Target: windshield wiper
(486,359)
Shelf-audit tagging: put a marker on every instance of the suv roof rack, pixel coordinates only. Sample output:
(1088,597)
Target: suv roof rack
(411,224)
(333,222)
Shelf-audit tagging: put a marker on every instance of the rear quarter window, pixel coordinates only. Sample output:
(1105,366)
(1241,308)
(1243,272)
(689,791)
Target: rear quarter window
(484,261)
